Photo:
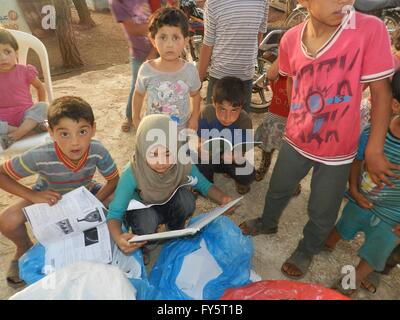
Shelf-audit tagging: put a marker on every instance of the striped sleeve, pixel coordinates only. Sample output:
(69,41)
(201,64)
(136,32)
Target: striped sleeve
(263,26)
(378,60)
(21,166)
(210,24)
(106,164)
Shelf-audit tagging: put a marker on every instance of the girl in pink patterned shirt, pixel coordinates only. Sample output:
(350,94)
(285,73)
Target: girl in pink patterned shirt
(19,116)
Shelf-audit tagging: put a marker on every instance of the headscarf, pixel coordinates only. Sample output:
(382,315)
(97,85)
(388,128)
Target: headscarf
(154,187)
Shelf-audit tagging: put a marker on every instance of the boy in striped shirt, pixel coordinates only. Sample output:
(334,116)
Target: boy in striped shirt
(63,165)
(372,209)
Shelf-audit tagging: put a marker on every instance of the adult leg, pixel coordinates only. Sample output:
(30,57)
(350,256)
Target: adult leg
(12,226)
(135,65)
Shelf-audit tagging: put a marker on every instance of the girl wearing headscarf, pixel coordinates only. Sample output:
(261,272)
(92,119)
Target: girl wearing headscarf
(151,177)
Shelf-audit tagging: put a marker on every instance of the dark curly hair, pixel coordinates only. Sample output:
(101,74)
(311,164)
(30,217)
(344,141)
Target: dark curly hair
(168,17)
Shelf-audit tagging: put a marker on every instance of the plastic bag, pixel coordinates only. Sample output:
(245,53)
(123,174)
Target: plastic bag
(204,265)
(282,290)
(81,281)
(33,269)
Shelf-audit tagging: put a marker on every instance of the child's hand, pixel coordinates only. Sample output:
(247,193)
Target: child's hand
(225,199)
(128,247)
(396,230)
(48,196)
(379,168)
(361,200)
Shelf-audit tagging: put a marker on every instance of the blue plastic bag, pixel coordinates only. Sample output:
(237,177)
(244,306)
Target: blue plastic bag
(31,264)
(32,269)
(228,249)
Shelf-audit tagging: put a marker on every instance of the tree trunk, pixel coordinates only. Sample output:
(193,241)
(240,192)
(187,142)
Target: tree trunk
(84,13)
(65,35)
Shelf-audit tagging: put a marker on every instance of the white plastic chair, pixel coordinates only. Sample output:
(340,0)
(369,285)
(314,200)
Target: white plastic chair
(27,41)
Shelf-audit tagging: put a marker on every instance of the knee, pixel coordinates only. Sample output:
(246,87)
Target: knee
(9,221)
(186,201)
(143,222)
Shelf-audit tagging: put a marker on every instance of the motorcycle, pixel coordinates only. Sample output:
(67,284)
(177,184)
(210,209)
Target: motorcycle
(196,26)
(387,10)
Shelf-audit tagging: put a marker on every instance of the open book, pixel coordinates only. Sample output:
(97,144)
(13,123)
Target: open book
(220,145)
(192,228)
(135,204)
(72,230)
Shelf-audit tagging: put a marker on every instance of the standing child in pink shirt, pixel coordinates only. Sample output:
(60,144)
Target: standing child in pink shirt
(19,116)
(327,59)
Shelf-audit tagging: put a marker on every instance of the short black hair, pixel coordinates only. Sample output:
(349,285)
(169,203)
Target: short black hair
(396,86)
(70,107)
(230,89)
(7,38)
(169,16)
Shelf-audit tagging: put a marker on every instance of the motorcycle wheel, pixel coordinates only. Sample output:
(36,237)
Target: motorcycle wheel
(261,103)
(295,17)
(391,20)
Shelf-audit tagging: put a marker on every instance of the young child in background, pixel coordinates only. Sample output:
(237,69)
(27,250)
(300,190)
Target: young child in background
(326,58)
(152,175)
(372,209)
(19,116)
(270,131)
(63,165)
(169,81)
(226,118)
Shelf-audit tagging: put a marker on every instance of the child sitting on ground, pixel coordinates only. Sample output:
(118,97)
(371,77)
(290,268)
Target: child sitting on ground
(19,116)
(169,81)
(226,118)
(372,209)
(151,177)
(63,165)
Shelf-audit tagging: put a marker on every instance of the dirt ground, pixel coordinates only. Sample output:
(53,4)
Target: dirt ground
(104,83)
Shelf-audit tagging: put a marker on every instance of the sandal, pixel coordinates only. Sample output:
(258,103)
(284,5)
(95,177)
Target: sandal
(349,292)
(299,261)
(254,227)
(242,188)
(126,126)
(13,274)
(371,282)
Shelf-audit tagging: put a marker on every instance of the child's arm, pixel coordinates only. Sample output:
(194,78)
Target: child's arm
(137,107)
(355,172)
(273,71)
(108,189)
(218,196)
(41,92)
(10,185)
(121,239)
(378,166)
(195,100)
(204,60)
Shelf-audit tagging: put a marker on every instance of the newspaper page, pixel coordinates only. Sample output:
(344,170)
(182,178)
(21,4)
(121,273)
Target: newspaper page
(73,229)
